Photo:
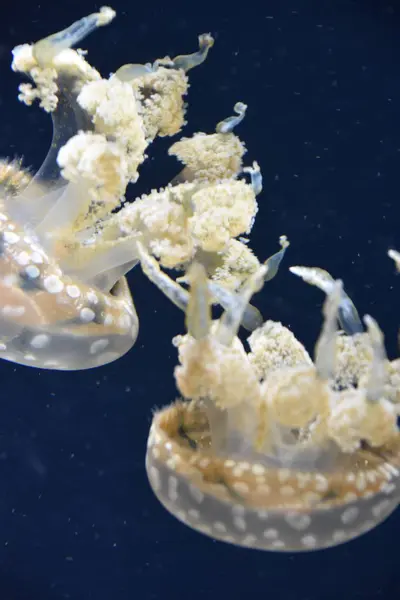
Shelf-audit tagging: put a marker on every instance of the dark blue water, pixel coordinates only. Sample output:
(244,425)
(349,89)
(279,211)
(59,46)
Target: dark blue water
(322,81)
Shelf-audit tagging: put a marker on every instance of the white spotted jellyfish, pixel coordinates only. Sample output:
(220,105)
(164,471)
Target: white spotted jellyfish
(65,245)
(269,449)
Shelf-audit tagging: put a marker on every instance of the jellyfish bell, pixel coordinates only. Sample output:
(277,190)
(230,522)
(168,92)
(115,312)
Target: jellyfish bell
(267,450)
(252,503)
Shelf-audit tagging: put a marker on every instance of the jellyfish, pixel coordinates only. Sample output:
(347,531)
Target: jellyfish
(269,448)
(66,243)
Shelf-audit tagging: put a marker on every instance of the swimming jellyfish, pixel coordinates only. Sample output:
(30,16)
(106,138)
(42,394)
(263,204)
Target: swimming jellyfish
(65,245)
(270,449)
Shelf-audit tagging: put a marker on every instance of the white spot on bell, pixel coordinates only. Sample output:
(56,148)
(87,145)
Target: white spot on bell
(32,271)
(10,237)
(98,346)
(40,341)
(53,284)
(87,315)
(73,291)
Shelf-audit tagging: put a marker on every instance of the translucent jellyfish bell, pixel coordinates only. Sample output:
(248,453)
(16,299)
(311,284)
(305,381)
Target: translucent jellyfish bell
(264,452)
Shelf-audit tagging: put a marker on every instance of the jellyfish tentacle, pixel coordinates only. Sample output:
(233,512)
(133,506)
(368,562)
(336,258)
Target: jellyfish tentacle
(45,50)
(68,117)
(273,262)
(198,312)
(189,61)
(229,124)
(325,349)
(348,315)
(230,321)
(173,291)
(375,387)
(250,317)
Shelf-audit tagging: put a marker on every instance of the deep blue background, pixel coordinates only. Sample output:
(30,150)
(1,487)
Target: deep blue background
(322,81)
